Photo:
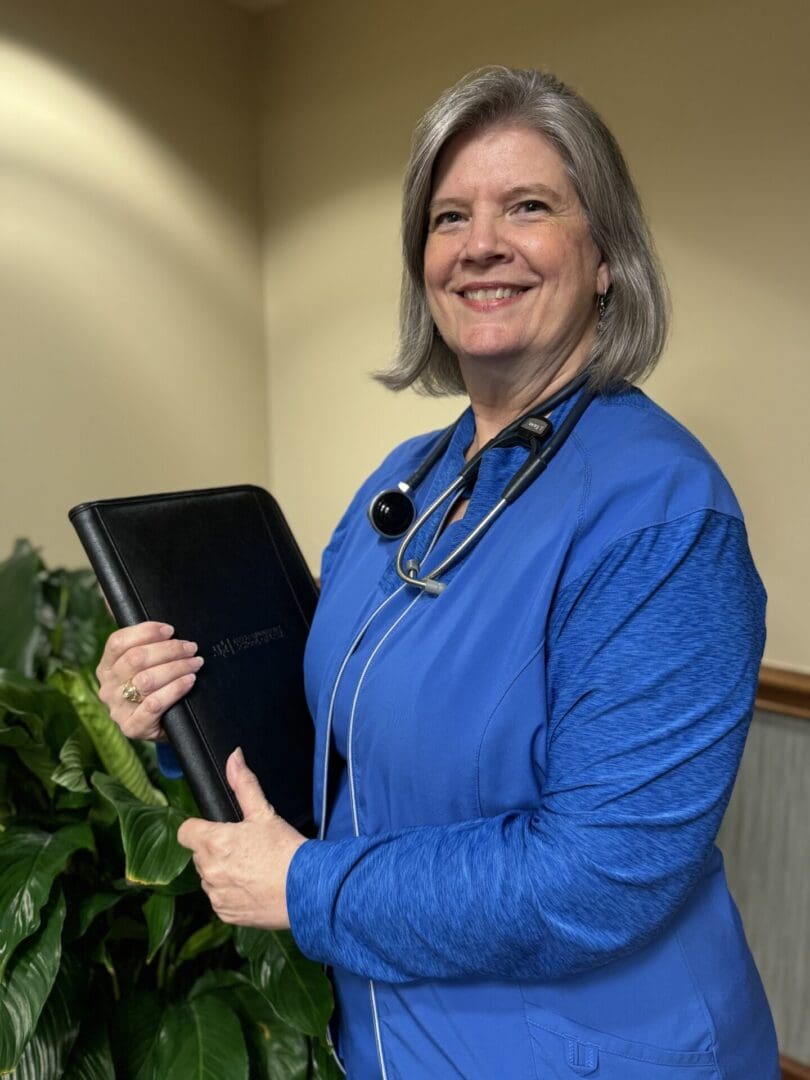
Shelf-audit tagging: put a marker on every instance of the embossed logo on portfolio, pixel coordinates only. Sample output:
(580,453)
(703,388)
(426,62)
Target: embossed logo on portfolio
(230,646)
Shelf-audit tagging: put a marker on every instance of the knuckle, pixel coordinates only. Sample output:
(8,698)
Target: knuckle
(135,657)
(154,704)
(216,845)
(127,727)
(144,682)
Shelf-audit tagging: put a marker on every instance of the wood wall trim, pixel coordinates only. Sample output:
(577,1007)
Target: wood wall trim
(785,692)
(794,1070)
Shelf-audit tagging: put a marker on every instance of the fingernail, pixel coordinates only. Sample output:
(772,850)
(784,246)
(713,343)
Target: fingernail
(239,757)
(189,647)
(197,662)
(166,630)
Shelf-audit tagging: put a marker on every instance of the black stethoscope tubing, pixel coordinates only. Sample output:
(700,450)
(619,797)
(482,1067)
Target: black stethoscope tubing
(392,512)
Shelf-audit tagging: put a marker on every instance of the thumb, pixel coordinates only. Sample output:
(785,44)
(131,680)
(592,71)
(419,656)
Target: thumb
(246,787)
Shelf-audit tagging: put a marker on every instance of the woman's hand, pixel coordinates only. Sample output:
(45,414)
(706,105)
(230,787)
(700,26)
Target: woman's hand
(161,668)
(243,866)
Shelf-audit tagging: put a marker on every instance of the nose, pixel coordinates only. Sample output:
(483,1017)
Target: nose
(485,241)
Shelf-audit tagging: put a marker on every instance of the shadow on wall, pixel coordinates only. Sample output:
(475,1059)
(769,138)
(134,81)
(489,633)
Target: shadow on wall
(158,67)
(131,287)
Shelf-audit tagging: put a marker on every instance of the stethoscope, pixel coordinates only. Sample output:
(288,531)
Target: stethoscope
(393,511)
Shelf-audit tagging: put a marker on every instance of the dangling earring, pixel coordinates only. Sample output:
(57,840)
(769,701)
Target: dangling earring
(601,305)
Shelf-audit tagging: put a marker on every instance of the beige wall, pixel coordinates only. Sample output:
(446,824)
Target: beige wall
(131,340)
(708,100)
(131,304)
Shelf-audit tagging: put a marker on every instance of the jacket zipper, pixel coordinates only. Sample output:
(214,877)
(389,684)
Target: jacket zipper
(349,763)
(355,821)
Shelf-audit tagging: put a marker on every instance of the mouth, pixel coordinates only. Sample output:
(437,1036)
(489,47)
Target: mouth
(493,292)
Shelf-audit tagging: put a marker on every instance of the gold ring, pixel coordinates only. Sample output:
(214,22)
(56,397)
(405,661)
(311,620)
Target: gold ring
(130,692)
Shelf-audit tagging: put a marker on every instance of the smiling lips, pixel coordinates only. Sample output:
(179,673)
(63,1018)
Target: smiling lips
(484,298)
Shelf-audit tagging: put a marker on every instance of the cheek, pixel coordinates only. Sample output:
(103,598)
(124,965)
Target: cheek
(437,264)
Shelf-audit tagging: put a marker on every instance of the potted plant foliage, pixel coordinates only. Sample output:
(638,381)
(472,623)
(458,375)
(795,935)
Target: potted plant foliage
(112,964)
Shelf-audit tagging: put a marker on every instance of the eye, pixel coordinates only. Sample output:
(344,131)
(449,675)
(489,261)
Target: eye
(446,217)
(532,206)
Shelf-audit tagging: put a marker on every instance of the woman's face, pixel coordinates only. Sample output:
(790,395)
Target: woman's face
(511,270)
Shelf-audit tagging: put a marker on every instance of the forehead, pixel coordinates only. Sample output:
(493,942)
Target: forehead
(501,155)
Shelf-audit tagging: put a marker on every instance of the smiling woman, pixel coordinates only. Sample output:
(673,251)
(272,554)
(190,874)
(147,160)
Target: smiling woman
(521,768)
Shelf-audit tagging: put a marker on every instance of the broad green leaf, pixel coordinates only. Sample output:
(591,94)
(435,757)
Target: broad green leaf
(249,942)
(187,882)
(159,914)
(20,602)
(29,862)
(276,1052)
(324,1063)
(79,620)
(210,936)
(29,978)
(73,800)
(91,1057)
(100,954)
(38,719)
(201,1040)
(113,748)
(82,913)
(215,981)
(74,758)
(46,1054)
(149,834)
(298,988)
(46,712)
(41,763)
(179,794)
(135,1031)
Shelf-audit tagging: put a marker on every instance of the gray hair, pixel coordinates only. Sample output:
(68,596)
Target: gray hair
(634,327)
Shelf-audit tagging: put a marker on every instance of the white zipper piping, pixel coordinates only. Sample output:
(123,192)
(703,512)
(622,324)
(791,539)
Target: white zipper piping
(355,821)
(350,771)
(358,688)
(358,637)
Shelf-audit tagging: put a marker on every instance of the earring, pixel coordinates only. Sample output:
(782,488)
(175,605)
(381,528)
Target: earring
(601,305)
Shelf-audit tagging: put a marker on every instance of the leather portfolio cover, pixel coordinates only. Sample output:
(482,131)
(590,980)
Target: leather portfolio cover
(222,567)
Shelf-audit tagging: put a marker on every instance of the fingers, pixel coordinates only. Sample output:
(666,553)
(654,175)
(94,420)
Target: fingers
(143,721)
(246,787)
(195,831)
(161,668)
(152,666)
(129,637)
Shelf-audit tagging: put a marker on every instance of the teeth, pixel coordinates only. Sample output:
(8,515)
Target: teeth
(491,294)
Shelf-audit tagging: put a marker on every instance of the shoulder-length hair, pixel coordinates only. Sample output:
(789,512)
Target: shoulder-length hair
(634,326)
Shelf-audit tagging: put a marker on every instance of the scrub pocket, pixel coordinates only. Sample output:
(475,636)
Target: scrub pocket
(563,1050)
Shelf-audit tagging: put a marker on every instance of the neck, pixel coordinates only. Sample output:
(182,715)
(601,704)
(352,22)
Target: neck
(496,403)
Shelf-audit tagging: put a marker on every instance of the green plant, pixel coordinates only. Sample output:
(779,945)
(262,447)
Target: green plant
(112,963)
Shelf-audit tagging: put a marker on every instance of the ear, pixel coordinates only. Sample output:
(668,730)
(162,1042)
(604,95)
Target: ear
(603,277)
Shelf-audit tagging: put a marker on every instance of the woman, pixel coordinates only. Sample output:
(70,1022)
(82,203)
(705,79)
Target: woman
(518,876)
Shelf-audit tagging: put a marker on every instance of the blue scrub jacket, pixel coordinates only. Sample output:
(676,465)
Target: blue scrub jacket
(519,877)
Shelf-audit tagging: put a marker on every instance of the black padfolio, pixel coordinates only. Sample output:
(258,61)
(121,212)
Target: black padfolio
(222,567)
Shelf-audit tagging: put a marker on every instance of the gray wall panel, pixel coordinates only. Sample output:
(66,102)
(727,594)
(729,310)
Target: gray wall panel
(765,839)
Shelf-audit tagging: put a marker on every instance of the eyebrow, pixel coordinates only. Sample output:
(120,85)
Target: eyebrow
(521,191)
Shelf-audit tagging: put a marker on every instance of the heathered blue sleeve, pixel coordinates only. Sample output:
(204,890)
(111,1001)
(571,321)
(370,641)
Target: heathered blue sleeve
(653,656)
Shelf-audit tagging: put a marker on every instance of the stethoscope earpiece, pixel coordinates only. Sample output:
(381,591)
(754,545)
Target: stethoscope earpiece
(392,513)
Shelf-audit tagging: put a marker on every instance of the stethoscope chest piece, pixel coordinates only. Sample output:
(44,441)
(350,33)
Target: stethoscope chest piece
(392,512)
